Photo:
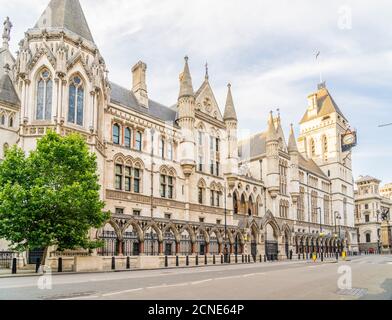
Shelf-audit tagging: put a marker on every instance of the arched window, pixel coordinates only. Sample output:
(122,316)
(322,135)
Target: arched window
(127,137)
(325,148)
(11,122)
(76,101)
(138,141)
(201,191)
(235,203)
(116,134)
(301,204)
(167,182)
(2,120)
(44,96)
(368,240)
(128,176)
(312,148)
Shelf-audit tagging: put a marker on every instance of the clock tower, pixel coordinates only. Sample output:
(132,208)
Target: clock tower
(326,138)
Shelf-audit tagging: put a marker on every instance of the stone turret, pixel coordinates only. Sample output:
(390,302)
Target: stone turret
(186,120)
(230,119)
(294,168)
(272,146)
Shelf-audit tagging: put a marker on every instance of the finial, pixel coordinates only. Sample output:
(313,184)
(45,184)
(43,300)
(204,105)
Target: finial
(186,58)
(229,85)
(7,32)
(207,76)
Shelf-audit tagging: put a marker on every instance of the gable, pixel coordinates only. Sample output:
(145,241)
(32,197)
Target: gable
(206,102)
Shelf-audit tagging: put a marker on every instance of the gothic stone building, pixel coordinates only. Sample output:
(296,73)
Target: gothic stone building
(174,177)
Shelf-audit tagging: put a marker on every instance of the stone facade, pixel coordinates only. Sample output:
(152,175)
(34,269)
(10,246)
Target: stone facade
(176,179)
(370,204)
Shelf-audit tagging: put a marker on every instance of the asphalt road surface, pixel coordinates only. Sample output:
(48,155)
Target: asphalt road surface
(364,277)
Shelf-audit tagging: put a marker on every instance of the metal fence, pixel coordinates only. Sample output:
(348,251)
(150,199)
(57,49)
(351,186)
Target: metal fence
(6,259)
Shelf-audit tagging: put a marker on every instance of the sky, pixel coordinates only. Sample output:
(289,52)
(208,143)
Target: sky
(265,49)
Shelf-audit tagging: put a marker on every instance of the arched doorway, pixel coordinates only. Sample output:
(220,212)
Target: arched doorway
(185,243)
(169,243)
(131,242)
(254,243)
(110,241)
(214,244)
(151,242)
(201,245)
(271,243)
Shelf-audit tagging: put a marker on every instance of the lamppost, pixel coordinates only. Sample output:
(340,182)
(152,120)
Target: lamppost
(225,248)
(378,232)
(321,236)
(337,216)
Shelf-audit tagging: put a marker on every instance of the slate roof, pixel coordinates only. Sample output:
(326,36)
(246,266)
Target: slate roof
(66,15)
(311,166)
(252,147)
(126,98)
(7,91)
(325,106)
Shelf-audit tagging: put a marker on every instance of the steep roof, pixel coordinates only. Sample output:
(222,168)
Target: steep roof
(7,91)
(253,146)
(311,166)
(186,86)
(325,105)
(5,57)
(126,98)
(65,15)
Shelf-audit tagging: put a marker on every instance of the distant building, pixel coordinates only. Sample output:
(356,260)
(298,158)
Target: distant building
(386,190)
(369,205)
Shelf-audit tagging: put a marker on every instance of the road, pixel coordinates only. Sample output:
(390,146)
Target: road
(371,279)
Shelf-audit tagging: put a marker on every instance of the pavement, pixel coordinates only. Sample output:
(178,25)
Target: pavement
(362,277)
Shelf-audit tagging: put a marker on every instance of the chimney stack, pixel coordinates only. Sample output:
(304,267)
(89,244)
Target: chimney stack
(139,83)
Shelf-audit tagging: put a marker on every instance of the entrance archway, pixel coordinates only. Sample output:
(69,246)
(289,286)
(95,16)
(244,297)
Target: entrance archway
(110,241)
(131,242)
(151,242)
(271,242)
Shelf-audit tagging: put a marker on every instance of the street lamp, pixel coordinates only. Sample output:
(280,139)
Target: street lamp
(321,236)
(378,213)
(337,216)
(226,249)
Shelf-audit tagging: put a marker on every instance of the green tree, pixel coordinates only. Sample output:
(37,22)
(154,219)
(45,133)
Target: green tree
(50,197)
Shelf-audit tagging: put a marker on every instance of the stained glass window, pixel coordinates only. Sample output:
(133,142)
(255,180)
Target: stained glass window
(76,101)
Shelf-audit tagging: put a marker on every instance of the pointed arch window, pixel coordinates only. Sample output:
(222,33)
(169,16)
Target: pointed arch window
(11,122)
(2,120)
(325,148)
(312,148)
(44,96)
(116,134)
(76,101)
(127,137)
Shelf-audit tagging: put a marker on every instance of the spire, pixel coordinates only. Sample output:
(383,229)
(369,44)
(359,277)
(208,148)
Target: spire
(66,15)
(230,113)
(186,87)
(7,32)
(292,146)
(271,132)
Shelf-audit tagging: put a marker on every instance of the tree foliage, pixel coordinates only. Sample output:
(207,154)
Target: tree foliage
(51,196)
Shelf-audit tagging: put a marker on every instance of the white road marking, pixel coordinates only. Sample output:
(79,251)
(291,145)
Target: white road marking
(78,298)
(120,292)
(201,281)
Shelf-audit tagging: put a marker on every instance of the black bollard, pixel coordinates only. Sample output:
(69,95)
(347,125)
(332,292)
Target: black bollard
(265,258)
(229,258)
(166,261)
(236,259)
(128,263)
(14,266)
(177,261)
(113,263)
(60,265)
(213,259)
(221,259)
(197,260)
(37,265)
(242,258)
(187,260)
(205,259)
